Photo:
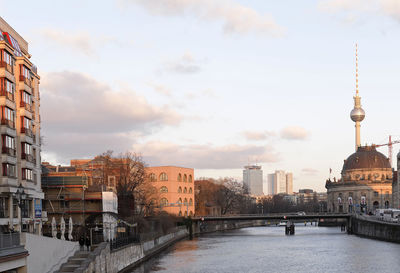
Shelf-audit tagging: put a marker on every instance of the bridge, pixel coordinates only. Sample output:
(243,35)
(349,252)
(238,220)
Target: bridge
(278,217)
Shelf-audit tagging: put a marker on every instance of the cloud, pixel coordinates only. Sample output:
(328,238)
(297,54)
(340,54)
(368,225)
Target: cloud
(186,64)
(353,9)
(309,171)
(235,18)
(205,156)
(81,115)
(294,133)
(80,41)
(161,89)
(254,135)
(208,93)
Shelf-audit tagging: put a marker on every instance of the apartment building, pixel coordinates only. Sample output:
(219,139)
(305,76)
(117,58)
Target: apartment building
(253,179)
(176,188)
(20,182)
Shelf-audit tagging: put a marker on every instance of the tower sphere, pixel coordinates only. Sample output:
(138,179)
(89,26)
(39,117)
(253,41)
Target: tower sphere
(357,114)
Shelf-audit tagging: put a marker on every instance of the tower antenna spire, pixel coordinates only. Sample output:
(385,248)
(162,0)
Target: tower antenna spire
(357,114)
(356,70)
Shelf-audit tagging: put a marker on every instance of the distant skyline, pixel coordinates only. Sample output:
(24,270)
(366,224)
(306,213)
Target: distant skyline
(214,85)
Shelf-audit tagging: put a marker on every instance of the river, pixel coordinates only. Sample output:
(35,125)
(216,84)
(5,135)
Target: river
(267,249)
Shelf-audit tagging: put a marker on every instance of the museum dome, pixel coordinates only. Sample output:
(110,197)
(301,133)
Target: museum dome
(366,157)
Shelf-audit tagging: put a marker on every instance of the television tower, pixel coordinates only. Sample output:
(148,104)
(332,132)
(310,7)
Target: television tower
(357,114)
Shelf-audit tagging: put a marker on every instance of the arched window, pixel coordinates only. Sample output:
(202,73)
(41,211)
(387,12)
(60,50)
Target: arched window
(180,213)
(164,202)
(179,178)
(190,178)
(180,201)
(185,190)
(185,213)
(191,213)
(184,178)
(153,177)
(163,189)
(179,189)
(185,201)
(190,202)
(163,177)
(190,190)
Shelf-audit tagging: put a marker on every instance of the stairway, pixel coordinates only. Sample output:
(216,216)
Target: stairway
(74,262)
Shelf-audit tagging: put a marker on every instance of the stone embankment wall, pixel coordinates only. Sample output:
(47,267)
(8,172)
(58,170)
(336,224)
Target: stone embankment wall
(103,260)
(374,229)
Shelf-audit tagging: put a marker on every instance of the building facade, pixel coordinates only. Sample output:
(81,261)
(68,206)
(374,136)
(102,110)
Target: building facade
(280,182)
(253,179)
(395,185)
(176,188)
(20,135)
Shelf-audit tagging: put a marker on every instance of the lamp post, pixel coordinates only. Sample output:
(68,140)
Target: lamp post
(20,195)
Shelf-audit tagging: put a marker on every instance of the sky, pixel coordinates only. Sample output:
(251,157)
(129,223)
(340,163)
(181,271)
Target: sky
(214,85)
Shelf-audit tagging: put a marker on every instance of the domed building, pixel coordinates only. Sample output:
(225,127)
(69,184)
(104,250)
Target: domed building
(365,185)
(367,175)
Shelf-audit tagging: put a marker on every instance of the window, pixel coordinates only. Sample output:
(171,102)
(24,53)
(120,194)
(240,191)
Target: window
(26,97)
(190,178)
(27,174)
(376,194)
(191,213)
(25,72)
(180,190)
(179,178)
(8,142)
(185,190)
(7,58)
(26,148)
(163,189)
(190,190)
(26,123)
(153,177)
(180,201)
(25,208)
(8,114)
(111,181)
(190,202)
(3,207)
(163,177)
(164,202)
(184,178)
(7,87)
(9,170)
(185,201)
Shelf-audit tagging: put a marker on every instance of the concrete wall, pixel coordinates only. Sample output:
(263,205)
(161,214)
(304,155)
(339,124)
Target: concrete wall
(46,254)
(103,260)
(375,229)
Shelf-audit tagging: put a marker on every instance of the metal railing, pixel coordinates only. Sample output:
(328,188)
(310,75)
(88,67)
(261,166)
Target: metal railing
(123,241)
(8,67)
(9,240)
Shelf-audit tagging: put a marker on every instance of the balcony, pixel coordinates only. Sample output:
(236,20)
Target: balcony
(27,132)
(8,67)
(27,106)
(28,157)
(24,79)
(9,123)
(8,151)
(8,95)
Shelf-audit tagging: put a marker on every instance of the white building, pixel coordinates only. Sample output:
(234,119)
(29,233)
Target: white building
(280,182)
(253,179)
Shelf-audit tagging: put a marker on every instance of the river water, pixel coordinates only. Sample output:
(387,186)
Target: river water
(267,249)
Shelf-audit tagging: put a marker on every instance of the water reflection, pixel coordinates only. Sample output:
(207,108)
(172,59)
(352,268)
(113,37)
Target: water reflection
(267,249)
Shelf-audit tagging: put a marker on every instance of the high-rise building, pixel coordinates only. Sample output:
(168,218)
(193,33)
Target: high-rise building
(280,182)
(271,184)
(20,183)
(289,183)
(253,179)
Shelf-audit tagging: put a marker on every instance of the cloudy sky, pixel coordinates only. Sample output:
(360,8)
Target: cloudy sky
(214,84)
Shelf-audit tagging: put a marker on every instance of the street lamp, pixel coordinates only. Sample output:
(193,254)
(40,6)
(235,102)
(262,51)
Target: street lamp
(20,195)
